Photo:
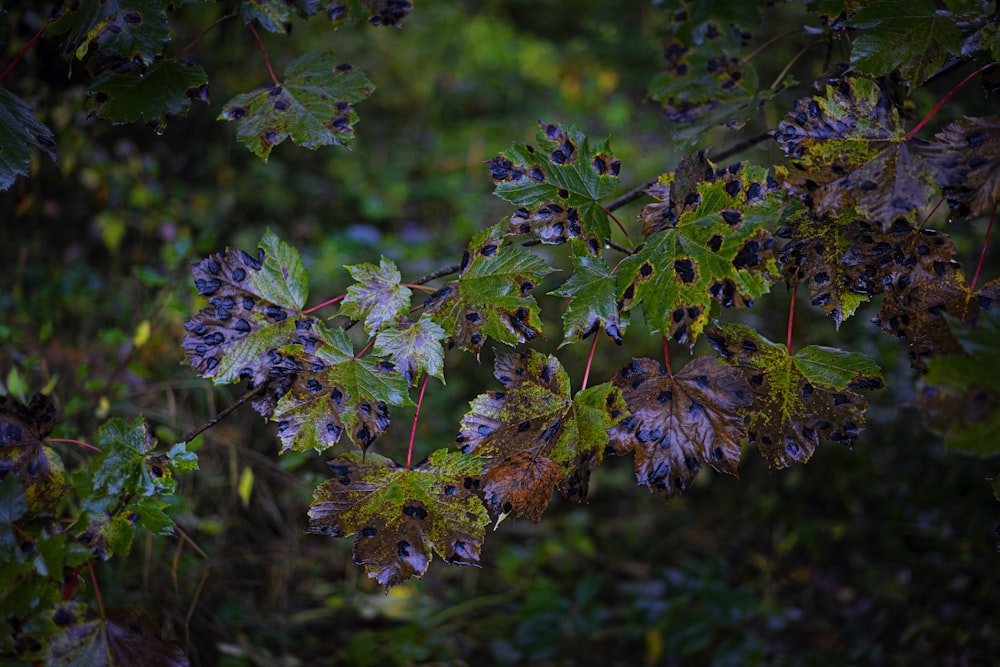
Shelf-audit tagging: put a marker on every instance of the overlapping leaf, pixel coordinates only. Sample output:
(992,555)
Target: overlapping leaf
(965,159)
(137,30)
(375,12)
(376,297)
(712,245)
(254,302)
(400,517)
(491,296)
(678,422)
(559,186)
(414,347)
(960,395)
(535,435)
(592,301)
(849,149)
(20,134)
(151,94)
(124,638)
(23,429)
(800,398)
(332,392)
(312,106)
(272,15)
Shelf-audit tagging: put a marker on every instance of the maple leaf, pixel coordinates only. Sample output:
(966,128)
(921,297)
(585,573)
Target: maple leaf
(849,149)
(710,246)
(151,94)
(535,435)
(911,35)
(23,429)
(254,301)
(137,30)
(799,398)
(376,297)
(414,347)
(678,422)
(273,15)
(965,159)
(333,392)
(491,296)
(559,187)
(20,132)
(400,517)
(312,106)
(375,12)
(124,637)
(592,300)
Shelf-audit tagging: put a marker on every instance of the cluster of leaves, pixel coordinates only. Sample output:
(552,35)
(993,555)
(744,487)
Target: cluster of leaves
(54,522)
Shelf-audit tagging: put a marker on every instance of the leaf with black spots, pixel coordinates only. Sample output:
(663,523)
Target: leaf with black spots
(912,35)
(492,296)
(376,297)
(592,301)
(960,394)
(375,12)
(965,159)
(535,435)
(848,149)
(124,638)
(334,393)
(272,15)
(679,422)
(164,89)
(20,134)
(254,305)
(711,246)
(414,348)
(23,429)
(400,517)
(312,106)
(800,398)
(136,30)
(559,186)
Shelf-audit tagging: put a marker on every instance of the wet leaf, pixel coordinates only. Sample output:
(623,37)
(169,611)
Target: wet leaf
(23,429)
(492,296)
(332,392)
(375,12)
(965,159)
(592,300)
(312,106)
(911,35)
(535,435)
(137,30)
(376,297)
(126,637)
(164,89)
(710,246)
(254,302)
(960,394)
(850,149)
(20,134)
(414,347)
(679,422)
(400,517)
(272,15)
(799,398)
(559,186)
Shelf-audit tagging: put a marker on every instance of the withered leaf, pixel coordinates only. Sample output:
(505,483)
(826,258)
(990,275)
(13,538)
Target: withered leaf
(965,159)
(679,422)
(400,517)
(23,429)
(125,637)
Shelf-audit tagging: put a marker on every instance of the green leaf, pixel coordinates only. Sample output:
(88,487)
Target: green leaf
(680,421)
(20,133)
(375,12)
(273,15)
(335,392)
(559,186)
(312,106)
(592,300)
(909,34)
(801,397)
(125,447)
(376,297)
(849,149)
(535,435)
(491,296)
(254,301)
(706,242)
(164,89)
(137,30)
(400,517)
(414,347)
(13,499)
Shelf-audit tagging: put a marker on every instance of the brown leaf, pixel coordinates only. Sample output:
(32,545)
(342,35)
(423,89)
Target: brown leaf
(965,159)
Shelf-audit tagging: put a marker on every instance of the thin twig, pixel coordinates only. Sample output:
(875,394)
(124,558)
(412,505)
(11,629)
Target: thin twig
(768,43)
(201,35)
(223,413)
(781,75)
(440,273)
(937,107)
(97,589)
(22,52)
(618,247)
(791,318)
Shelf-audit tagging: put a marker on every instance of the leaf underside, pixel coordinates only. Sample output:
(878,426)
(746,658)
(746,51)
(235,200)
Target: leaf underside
(20,134)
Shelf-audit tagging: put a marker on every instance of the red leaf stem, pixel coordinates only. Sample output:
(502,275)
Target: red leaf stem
(267,61)
(75,442)
(937,107)
(612,216)
(365,350)
(982,255)
(590,359)
(666,357)
(72,583)
(325,304)
(416,416)
(97,589)
(791,319)
(22,52)
(933,210)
